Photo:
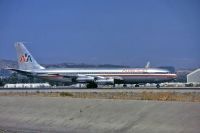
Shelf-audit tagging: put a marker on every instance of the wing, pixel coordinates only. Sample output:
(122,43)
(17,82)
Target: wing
(26,73)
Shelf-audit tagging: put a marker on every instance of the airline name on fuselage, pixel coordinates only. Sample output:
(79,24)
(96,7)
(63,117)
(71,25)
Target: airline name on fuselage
(134,70)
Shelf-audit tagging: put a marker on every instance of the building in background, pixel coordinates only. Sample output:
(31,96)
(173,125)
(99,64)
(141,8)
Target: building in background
(194,76)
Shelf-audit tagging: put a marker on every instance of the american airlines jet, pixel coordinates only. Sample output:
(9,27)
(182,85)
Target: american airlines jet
(91,77)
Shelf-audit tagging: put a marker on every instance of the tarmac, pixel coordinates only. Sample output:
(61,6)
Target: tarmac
(67,89)
(74,115)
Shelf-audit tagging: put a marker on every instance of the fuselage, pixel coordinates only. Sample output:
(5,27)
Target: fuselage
(120,75)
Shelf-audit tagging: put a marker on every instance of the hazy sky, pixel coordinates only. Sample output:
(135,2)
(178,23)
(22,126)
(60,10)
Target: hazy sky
(124,32)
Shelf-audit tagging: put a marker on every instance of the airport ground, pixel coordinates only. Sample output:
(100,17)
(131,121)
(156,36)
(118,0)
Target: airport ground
(141,110)
(75,115)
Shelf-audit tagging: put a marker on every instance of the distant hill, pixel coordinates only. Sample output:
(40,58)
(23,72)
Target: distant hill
(6,64)
(170,68)
(82,65)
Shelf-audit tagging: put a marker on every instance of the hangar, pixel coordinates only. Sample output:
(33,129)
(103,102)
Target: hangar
(194,77)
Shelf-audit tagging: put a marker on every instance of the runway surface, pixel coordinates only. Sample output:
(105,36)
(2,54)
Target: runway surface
(68,115)
(141,89)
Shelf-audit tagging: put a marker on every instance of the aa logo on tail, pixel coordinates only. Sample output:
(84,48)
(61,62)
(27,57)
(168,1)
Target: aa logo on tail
(25,58)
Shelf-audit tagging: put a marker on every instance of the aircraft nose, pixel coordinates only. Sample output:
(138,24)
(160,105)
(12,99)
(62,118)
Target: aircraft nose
(174,76)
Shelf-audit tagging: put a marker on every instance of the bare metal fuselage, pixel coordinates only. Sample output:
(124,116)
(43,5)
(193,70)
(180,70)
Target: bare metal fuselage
(119,75)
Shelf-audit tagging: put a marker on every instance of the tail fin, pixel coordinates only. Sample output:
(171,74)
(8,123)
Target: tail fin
(147,65)
(25,59)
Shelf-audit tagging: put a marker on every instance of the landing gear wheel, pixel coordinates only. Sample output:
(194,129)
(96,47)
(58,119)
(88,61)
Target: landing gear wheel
(124,85)
(157,86)
(91,85)
(137,85)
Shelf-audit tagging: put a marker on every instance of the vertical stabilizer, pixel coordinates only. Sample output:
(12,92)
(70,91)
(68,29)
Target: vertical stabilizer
(147,65)
(25,59)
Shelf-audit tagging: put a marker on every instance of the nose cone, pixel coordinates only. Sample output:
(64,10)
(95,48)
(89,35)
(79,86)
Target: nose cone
(173,76)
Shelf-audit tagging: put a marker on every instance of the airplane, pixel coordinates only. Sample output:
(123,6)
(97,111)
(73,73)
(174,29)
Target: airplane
(92,77)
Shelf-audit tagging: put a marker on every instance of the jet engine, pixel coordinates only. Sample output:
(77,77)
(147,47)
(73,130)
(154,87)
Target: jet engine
(105,81)
(84,79)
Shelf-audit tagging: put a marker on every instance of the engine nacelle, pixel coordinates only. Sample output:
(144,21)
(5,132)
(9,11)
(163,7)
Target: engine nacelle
(85,79)
(106,81)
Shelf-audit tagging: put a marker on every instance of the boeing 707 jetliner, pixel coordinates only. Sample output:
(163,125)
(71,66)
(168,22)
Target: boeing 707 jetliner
(91,77)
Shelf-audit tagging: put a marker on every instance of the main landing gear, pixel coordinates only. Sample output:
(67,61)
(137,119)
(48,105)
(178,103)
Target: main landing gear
(91,85)
(137,85)
(158,86)
(124,85)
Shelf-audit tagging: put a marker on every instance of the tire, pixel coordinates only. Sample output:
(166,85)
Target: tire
(91,85)
(157,86)
(124,85)
(137,85)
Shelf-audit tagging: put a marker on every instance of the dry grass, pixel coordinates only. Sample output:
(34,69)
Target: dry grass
(145,95)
